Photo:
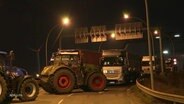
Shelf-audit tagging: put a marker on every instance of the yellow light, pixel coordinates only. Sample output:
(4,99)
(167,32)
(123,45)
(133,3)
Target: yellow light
(113,35)
(126,16)
(66,21)
(156,32)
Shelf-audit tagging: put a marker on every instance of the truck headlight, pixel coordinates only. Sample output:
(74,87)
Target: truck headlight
(104,71)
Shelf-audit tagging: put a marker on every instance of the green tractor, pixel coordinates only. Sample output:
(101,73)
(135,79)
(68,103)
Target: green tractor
(71,69)
(15,81)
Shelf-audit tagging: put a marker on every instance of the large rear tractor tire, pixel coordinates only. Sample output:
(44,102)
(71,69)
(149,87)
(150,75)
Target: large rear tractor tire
(29,90)
(97,82)
(63,81)
(3,89)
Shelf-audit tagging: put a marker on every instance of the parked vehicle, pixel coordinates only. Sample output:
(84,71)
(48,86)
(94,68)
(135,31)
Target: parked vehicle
(15,81)
(120,66)
(146,64)
(70,69)
(171,64)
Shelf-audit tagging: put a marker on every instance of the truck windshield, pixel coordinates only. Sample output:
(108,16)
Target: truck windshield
(112,61)
(147,63)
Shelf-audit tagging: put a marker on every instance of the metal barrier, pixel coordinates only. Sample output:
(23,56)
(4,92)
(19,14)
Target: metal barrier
(161,95)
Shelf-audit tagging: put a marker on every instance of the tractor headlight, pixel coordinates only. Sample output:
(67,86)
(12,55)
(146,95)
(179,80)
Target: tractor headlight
(14,74)
(37,75)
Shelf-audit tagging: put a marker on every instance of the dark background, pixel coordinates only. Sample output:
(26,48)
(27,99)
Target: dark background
(24,24)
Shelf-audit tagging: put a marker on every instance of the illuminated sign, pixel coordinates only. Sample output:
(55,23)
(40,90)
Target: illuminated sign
(128,31)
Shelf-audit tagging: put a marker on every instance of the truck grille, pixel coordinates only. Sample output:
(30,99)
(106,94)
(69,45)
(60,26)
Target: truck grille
(112,73)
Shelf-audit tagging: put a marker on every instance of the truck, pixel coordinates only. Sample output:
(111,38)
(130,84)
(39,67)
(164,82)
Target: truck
(15,82)
(120,66)
(70,69)
(171,64)
(146,64)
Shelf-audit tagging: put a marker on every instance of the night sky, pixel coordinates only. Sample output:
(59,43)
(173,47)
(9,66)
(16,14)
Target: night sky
(24,24)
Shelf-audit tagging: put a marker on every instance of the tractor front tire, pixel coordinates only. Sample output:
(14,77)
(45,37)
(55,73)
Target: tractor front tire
(29,90)
(3,89)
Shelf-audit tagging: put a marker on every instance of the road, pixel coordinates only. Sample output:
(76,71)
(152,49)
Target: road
(111,95)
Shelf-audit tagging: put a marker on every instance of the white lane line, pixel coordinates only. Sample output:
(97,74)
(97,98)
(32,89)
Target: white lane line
(101,92)
(60,101)
(69,95)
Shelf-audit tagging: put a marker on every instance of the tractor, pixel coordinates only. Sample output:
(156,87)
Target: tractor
(71,69)
(15,82)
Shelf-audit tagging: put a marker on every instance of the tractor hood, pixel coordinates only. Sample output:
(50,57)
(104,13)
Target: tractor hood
(15,71)
(48,70)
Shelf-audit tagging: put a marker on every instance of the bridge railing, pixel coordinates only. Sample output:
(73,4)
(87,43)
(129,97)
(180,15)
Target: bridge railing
(166,96)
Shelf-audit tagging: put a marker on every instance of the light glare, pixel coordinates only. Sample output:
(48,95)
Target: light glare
(65,21)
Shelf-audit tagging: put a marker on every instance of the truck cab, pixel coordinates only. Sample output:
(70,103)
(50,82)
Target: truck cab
(146,64)
(120,66)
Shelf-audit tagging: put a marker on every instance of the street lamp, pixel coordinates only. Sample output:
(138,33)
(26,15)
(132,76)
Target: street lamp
(177,35)
(149,41)
(149,44)
(113,35)
(65,22)
(127,16)
(157,32)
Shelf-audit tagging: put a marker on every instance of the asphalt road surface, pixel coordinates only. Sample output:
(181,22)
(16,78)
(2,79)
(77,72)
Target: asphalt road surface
(111,95)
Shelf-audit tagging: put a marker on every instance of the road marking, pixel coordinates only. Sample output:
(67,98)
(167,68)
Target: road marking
(60,101)
(69,95)
(101,92)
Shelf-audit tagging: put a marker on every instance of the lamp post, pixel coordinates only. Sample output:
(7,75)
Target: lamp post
(65,21)
(149,45)
(46,43)
(127,16)
(157,32)
(149,40)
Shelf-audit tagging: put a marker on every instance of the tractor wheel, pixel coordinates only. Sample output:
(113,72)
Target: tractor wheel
(47,86)
(29,90)
(63,81)
(97,82)
(3,89)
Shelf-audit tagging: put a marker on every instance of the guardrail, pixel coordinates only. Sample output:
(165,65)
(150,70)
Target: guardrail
(161,95)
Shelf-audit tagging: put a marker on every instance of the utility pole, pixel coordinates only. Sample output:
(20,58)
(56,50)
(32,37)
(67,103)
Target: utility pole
(149,45)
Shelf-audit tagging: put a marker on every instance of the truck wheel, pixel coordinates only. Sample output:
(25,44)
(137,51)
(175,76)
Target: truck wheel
(63,81)
(29,90)
(97,82)
(3,89)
